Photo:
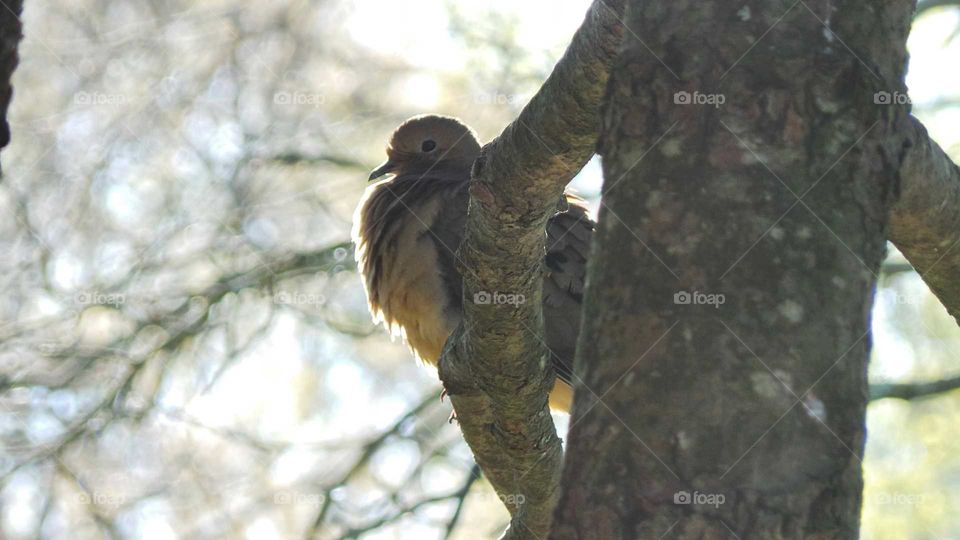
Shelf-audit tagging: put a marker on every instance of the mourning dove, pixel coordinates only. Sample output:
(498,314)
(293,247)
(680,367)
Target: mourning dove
(407,229)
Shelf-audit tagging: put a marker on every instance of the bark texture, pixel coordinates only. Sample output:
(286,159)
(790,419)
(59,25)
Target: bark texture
(925,221)
(495,365)
(11,32)
(742,414)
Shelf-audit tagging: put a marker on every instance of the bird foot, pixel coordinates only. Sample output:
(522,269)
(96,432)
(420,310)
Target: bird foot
(453,414)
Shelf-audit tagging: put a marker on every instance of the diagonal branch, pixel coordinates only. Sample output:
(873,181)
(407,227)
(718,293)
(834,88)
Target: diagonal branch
(925,220)
(926,5)
(913,390)
(494,363)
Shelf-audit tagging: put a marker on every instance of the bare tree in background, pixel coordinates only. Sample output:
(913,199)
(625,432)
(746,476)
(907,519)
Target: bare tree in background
(184,347)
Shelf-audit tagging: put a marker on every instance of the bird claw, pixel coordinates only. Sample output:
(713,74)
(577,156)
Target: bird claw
(453,414)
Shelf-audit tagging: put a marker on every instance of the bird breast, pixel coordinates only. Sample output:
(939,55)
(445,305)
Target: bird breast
(399,257)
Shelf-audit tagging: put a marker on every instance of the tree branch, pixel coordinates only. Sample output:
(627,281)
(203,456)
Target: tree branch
(926,5)
(11,31)
(891,268)
(472,477)
(296,158)
(925,220)
(913,390)
(493,366)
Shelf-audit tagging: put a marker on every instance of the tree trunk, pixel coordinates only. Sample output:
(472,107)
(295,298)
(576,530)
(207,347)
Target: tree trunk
(749,168)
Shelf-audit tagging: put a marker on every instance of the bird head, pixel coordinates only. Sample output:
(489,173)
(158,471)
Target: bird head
(430,143)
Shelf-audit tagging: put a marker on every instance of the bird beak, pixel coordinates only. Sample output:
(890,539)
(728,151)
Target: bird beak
(385,168)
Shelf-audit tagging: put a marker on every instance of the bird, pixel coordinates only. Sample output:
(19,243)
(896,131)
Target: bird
(406,231)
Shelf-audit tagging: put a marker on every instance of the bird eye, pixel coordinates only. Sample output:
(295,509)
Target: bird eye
(428,145)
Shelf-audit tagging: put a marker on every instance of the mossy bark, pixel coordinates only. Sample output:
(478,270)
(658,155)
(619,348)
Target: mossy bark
(495,365)
(749,171)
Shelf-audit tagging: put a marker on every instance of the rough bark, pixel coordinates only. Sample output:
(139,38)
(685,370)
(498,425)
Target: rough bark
(925,221)
(11,32)
(776,199)
(495,366)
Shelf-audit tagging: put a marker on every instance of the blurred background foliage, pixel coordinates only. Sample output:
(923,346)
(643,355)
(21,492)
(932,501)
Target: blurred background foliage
(185,350)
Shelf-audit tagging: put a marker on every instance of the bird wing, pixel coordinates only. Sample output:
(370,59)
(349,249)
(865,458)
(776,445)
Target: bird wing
(568,247)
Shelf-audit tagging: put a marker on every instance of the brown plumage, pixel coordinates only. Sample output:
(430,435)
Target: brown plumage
(407,229)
